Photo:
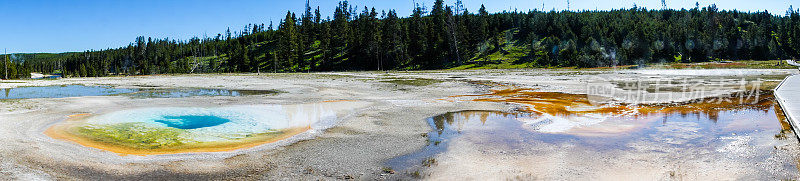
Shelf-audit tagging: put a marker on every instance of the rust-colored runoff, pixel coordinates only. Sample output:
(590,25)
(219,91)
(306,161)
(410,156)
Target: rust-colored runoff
(564,104)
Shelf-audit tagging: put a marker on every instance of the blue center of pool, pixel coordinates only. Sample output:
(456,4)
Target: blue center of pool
(192,122)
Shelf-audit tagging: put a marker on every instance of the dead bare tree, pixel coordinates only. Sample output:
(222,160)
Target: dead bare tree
(454,46)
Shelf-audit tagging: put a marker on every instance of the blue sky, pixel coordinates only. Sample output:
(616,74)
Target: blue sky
(76,25)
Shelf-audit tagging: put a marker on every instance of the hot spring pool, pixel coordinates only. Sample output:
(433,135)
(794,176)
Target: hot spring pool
(168,130)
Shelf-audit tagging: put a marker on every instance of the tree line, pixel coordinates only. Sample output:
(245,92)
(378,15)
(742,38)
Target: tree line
(444,36)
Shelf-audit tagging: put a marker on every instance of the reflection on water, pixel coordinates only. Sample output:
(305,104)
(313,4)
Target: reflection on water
(667,128)
(449,126)
(81,90)
(559,112)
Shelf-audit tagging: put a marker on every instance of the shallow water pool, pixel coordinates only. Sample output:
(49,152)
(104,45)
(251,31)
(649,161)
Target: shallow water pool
(64,91)
(61,91)
(693,140)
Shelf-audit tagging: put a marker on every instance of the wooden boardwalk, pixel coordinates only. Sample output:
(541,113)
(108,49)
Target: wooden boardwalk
(788,96)
(793,62)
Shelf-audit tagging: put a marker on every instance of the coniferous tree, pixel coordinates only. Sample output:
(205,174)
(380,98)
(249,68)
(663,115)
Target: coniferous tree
(418,41)
(289,46)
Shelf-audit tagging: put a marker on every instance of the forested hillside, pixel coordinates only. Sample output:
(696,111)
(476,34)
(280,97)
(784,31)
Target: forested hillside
(446,36)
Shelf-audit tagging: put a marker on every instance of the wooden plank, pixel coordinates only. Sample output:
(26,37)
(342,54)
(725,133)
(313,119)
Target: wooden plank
(788,96)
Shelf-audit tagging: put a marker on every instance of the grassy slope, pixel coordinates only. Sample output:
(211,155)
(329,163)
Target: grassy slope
(502,57)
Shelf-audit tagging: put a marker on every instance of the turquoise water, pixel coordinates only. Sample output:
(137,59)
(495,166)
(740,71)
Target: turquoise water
(60,91)
(210,124)
(192,122)
(81,91)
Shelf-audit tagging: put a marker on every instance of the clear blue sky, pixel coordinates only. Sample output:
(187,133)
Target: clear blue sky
(77,25)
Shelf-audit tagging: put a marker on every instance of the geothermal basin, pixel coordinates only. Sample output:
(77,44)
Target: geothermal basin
(463,125)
